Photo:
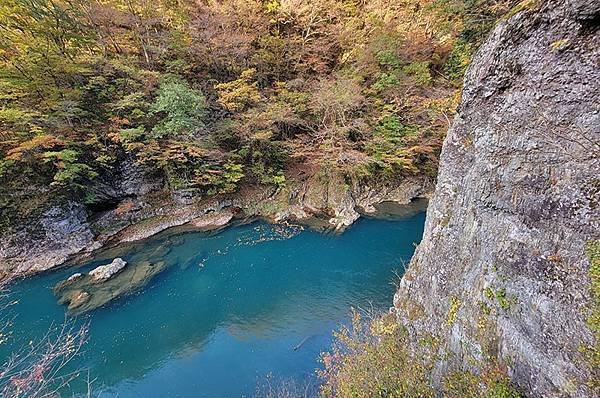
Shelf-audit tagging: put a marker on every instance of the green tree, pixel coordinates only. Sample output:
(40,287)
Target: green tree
(181,108)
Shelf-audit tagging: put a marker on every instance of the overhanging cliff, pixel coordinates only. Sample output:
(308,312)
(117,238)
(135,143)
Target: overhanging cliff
(502,273)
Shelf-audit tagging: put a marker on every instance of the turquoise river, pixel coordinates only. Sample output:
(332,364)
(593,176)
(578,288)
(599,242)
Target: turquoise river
(232,309)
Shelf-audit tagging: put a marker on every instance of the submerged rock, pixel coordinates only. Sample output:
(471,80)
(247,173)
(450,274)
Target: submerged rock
(105,272)
(86,292)
(70,280)
(77,298)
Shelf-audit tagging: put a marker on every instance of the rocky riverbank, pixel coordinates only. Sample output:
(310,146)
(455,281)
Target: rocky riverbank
(72,232)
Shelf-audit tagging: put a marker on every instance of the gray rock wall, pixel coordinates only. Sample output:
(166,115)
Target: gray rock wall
(72,231)
(501,272)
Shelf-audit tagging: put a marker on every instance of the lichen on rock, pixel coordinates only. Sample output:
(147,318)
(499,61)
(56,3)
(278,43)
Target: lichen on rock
(516,201)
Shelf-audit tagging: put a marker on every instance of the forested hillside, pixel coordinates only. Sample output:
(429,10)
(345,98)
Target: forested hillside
(215,94)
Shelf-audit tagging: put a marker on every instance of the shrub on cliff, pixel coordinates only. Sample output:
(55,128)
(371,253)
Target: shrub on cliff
(373,359)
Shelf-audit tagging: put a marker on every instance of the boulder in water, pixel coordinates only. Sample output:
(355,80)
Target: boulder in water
(74,277)
(104,272)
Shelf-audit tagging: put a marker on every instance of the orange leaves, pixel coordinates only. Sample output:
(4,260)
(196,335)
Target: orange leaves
(37,143)
(170,152)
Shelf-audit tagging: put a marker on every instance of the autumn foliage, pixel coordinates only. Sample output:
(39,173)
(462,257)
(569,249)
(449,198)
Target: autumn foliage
(211,94)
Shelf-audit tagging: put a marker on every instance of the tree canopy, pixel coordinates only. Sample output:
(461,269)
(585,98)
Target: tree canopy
(215,93)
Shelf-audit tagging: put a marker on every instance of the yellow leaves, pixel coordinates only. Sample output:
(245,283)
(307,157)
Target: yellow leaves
(18,117)
(373,361)
(525,5)
(559,44)
(346,56)
(262,135)
(272,6)
(482,322)
(384,326)
(442,109)
(239,94)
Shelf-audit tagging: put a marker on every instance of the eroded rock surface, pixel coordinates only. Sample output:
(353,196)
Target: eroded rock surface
(74,232)
(60,232)
(104,272)
(214,220)
(501,273)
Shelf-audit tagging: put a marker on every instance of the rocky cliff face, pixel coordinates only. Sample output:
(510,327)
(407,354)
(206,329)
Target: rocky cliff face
(140,207)
(501,273)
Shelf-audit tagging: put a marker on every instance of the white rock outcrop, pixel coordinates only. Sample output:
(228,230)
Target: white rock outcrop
(105,272)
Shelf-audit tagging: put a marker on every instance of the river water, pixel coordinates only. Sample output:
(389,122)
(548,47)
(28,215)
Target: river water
(229,309)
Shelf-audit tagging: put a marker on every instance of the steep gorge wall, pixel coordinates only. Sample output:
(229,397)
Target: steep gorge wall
(501,273)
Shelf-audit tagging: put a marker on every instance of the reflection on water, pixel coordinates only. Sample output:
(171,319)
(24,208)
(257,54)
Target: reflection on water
(229,309)
(395,211)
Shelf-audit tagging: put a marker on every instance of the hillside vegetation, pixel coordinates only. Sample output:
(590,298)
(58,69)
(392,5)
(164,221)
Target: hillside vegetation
(214,94)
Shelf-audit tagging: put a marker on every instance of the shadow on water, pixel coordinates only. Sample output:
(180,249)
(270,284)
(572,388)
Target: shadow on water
(395,211)
(229,308)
